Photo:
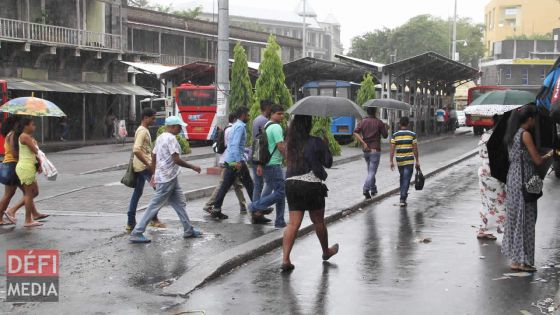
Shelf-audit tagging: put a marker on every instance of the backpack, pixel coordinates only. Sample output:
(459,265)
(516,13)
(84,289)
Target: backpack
(220,143)
(260,154)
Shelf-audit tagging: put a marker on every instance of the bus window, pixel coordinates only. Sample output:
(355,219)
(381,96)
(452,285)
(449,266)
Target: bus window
(384,113)
(197,97)
(326,92)
(342,92)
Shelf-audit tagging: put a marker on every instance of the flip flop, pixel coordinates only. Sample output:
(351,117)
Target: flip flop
(34,224)
(287,267)
(6,223)
(486,237)
(41,217)
(10,218)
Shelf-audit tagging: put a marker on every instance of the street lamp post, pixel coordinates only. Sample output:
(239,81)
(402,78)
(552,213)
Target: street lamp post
(454,40)
(304,29)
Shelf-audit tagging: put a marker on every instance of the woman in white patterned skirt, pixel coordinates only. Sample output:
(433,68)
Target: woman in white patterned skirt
(492,193)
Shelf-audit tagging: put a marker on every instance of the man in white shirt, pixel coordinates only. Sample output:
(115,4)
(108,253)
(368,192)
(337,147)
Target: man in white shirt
(166,160)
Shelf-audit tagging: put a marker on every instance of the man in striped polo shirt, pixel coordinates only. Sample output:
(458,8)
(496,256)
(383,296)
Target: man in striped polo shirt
(404,143)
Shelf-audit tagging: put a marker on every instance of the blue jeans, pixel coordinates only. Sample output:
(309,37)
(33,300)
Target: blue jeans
(372,163)
(259,189)
(406,176)
(171,193)
(230,176)
(273,178)
(141,178)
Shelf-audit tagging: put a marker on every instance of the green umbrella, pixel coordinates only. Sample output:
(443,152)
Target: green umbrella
(505,97)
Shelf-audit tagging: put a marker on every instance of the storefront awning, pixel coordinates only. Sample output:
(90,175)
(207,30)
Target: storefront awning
(79,88)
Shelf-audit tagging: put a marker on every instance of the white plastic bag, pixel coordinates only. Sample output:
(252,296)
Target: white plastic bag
(48,168)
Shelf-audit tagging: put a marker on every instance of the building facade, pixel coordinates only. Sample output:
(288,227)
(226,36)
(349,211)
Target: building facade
(323,36)
(73,52)
(505,19)
(520,64)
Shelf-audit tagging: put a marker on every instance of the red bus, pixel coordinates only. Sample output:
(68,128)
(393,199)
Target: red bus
(4,100)
(479,124)
(197,106)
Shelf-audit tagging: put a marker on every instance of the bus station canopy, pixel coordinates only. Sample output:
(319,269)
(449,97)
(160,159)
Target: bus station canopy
(431,67)
(79,88)
(307,69)
(201,72)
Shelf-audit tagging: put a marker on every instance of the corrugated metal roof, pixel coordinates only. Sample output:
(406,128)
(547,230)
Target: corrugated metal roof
(79,88)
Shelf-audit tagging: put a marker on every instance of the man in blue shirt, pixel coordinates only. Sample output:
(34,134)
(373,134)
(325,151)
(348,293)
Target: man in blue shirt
(235,164)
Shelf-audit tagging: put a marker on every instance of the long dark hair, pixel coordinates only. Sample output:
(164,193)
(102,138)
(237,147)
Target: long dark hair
(23,122)
(518,117)
(9,125)
(296,139)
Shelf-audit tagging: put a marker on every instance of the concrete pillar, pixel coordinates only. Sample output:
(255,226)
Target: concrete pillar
(83,118)
(132,110)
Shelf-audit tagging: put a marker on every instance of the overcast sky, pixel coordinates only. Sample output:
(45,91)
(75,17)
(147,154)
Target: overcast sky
(359,16)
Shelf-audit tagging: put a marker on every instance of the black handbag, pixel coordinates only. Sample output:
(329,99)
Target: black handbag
(419,180)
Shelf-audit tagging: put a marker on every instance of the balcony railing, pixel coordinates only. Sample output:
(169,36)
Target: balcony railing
(50,34)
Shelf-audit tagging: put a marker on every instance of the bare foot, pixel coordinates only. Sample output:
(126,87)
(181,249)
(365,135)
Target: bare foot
(333,250)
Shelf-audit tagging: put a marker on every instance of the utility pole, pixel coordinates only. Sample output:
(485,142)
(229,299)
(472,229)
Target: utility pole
(454,39)
(304,29)
(222,75)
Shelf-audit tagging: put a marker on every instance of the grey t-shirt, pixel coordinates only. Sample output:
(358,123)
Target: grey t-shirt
(258,124)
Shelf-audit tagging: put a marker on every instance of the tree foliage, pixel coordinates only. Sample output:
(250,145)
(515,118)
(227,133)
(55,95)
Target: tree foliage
(367,90)
(418,35)
(241,93)
(271,82)
(322,129)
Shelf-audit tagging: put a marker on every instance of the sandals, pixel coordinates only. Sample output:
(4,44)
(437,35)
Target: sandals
(6,223)
(523,267)
(485,236)
(10,218)
(41,217)
(333,250)
(33,224)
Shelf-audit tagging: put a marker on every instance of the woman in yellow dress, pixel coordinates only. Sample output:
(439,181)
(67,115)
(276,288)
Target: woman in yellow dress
(27,168)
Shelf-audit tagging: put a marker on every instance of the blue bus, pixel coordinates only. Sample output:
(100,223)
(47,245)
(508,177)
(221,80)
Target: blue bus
(342,127)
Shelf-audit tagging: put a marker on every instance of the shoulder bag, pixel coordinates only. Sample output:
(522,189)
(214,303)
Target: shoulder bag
(532,189)
(129,178)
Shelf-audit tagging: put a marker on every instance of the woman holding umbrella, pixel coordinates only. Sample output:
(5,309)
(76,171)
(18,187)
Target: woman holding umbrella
(27,167)
(307,156)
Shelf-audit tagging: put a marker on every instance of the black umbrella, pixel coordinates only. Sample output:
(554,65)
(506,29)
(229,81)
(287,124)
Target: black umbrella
(327,106)
(387,103)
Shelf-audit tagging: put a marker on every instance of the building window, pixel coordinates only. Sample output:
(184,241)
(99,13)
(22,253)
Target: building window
(510,11)
(508,74)
(525,77)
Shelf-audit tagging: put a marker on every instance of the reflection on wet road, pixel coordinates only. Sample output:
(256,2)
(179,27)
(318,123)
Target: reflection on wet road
(384,268)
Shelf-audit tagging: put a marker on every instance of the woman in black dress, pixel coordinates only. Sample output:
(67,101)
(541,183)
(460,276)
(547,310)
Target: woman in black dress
(307,157)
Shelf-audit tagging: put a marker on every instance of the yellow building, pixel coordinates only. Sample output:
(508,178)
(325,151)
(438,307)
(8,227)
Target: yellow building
(506,18)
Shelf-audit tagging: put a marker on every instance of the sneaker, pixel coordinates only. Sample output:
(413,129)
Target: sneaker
(139,239)
(243,210)
(219,215)
(194,234)
(280,225)
(268,210)
(403,204)
(367,195)
(260,219)
(207,209)
(158,224)
(373,192)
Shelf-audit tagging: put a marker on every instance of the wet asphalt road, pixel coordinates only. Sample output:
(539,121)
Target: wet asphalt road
(382,268)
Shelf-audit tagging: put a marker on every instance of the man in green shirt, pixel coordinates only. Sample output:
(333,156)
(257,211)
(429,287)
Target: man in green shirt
(273,173)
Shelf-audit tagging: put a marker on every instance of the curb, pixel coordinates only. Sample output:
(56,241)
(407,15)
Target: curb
(235,257)
(123,166)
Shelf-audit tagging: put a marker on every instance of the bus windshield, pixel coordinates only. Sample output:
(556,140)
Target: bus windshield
(194,97)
